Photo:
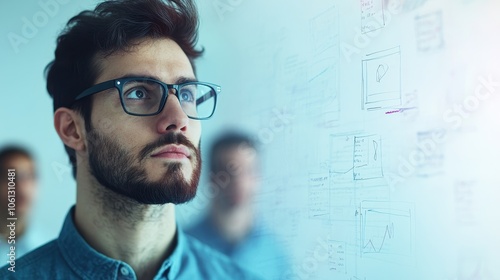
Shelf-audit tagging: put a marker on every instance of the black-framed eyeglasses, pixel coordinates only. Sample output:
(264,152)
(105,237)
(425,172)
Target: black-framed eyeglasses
(147,96)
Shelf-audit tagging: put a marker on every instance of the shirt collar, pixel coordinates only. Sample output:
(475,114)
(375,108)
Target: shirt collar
(175,259)
(90,264)
(83,259)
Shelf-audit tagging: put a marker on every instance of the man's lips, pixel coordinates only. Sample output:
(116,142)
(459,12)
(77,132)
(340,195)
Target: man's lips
(172,151)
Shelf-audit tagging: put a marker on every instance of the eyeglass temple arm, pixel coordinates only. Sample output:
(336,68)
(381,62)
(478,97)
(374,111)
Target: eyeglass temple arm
(207,96)
(95,89)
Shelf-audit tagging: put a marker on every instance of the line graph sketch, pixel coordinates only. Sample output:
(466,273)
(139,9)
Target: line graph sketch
(341,156)
(381,79)
(388,234)
(386,230)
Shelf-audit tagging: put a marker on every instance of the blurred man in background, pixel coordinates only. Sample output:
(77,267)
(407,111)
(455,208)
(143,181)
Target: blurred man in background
(232,225)
(26,238)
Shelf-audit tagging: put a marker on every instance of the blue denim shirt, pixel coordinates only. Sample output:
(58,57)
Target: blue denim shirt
(70,257)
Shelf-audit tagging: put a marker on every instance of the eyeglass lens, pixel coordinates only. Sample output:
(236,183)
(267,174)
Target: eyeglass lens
(145,97)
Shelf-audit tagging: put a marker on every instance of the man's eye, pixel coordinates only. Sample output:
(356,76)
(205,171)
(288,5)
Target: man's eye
(137,93)
(186,96)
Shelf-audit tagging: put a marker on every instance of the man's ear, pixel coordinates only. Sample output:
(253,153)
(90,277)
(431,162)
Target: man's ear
(70,127)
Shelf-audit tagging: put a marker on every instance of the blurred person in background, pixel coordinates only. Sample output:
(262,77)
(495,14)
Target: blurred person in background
(232,224)
(26,237)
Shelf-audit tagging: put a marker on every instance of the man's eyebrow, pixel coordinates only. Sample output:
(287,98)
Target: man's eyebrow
(139,76)
(185,80)
(179,80)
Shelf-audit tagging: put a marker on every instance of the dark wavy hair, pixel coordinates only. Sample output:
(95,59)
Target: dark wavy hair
(113,26)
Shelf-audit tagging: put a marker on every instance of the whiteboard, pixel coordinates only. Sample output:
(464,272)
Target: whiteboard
(379,124)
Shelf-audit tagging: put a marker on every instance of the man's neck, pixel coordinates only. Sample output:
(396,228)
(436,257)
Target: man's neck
(120,228)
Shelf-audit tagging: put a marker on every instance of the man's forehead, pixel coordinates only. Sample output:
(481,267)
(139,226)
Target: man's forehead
(160,59)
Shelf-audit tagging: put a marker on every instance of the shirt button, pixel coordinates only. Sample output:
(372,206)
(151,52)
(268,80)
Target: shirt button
(124,271)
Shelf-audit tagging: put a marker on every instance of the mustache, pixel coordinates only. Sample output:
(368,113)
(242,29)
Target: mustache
(169,138)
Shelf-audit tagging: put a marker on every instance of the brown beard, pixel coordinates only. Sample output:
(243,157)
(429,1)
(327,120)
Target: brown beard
(117,170)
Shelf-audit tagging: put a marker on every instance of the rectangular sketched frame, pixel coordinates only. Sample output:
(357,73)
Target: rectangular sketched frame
(367,157)
(429,31)
(381,79)
(323,73)
(387,230)
(319,196)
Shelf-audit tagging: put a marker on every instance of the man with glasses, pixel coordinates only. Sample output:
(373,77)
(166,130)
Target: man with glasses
(127,107)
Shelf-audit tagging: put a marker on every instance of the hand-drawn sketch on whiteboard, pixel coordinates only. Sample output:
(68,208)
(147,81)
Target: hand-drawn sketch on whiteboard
(429,31)
(382,79)
(387,231)
(341,155)
(356,157)
(409,5)
(434,156)
(323,71)
(464,192)
(324,31)
(318,197)
(372,15)
(367,157)
(337,256)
